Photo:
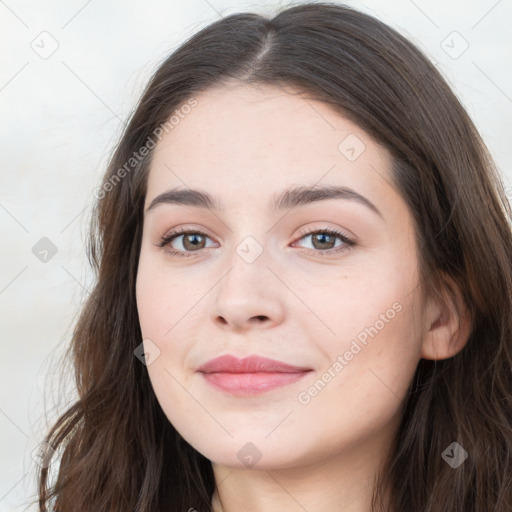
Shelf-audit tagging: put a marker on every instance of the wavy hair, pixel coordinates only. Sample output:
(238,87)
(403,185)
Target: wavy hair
(116,449)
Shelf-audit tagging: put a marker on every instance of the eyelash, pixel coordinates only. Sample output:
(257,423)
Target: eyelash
(349,243)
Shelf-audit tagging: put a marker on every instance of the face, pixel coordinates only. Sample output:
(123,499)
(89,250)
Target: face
(324,282)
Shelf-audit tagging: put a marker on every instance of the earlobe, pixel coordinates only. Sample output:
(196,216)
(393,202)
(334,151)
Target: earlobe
(447,327)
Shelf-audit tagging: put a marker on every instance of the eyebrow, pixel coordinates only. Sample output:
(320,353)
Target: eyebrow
(289,198)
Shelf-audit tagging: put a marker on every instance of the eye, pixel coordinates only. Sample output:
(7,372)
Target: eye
(324,240)
(192,241)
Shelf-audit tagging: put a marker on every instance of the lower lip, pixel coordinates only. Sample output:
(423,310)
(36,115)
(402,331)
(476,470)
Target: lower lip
(251,383)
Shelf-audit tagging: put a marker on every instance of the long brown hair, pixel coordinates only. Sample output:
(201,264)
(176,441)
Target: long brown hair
(118,450)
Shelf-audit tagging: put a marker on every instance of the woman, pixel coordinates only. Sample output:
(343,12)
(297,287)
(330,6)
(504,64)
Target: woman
(304,284)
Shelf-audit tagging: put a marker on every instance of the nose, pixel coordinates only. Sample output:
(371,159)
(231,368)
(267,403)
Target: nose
(248,296)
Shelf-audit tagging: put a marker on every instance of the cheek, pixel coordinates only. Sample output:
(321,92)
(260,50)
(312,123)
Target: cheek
(362,389)
(374,309)
(170,314)
(163,299)
(376,341)
(372,362)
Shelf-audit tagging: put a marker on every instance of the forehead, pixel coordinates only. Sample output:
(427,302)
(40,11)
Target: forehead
(241,139)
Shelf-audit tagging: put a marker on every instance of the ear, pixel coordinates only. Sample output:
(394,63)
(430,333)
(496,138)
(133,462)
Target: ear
(447,325)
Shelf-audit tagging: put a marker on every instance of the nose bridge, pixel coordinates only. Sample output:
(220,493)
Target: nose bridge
(246,292)
(250,248)
(247,268)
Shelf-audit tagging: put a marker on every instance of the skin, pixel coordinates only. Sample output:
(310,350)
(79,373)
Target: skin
(243,144)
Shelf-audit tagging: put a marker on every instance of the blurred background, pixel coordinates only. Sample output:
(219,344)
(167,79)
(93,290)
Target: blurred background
(70,75)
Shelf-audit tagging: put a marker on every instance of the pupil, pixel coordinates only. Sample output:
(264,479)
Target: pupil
(323,238)
(188,239)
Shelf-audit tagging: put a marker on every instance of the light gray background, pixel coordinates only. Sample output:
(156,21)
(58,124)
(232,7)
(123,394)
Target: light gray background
(61,114)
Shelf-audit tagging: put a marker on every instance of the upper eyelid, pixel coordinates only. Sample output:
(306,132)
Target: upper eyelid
(302,231)
(183,231)
(309,231)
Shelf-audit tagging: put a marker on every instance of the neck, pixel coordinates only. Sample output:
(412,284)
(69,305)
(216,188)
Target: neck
(345,482)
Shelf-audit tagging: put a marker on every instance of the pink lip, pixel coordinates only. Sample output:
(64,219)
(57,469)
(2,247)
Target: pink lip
(251,364)
(251,375)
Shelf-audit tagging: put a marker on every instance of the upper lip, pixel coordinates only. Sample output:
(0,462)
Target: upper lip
(251,364)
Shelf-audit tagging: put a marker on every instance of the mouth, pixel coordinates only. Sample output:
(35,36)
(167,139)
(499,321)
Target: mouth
(251,375)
